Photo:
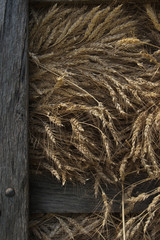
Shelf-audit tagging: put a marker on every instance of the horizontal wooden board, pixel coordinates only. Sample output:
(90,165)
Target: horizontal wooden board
(47,195)
(98,1)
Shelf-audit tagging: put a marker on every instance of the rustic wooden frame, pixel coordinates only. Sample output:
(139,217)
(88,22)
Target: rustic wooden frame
(94,1)
(13,120)
(45,193)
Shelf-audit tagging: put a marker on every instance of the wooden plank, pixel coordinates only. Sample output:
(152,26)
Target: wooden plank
(70,1)
(47,195)
(95,1)
(13,120)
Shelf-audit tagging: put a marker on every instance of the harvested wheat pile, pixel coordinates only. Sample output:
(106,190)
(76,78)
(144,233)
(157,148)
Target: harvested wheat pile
(95,111)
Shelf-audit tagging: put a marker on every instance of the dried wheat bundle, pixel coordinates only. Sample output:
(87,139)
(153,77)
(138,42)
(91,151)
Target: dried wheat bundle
(75,226)
(144,225)
(94,105)
(94,92)
(89,226)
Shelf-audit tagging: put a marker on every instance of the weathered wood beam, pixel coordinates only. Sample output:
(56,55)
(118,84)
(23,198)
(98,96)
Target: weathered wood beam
(96,1)
(13,120)
(47,195)
(70,1)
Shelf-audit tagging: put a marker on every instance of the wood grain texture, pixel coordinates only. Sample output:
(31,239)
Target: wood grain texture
(96,1)
(13,119)
(69,1)
(47,195)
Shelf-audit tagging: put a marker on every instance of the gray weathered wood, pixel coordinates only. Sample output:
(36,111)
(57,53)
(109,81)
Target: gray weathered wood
(47,195)
(96,1)
(13,119)
(60,0)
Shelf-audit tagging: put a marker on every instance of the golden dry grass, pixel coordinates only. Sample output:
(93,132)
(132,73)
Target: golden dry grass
(95,111)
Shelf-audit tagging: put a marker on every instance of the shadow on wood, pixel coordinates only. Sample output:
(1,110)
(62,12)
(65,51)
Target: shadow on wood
(47,195)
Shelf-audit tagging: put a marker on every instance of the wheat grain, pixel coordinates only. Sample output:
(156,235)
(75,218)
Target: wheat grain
(94,100)
(65,228)
(152,16)
(93,22)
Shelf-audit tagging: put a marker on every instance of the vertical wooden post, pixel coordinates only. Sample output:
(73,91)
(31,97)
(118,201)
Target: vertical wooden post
(13,120)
